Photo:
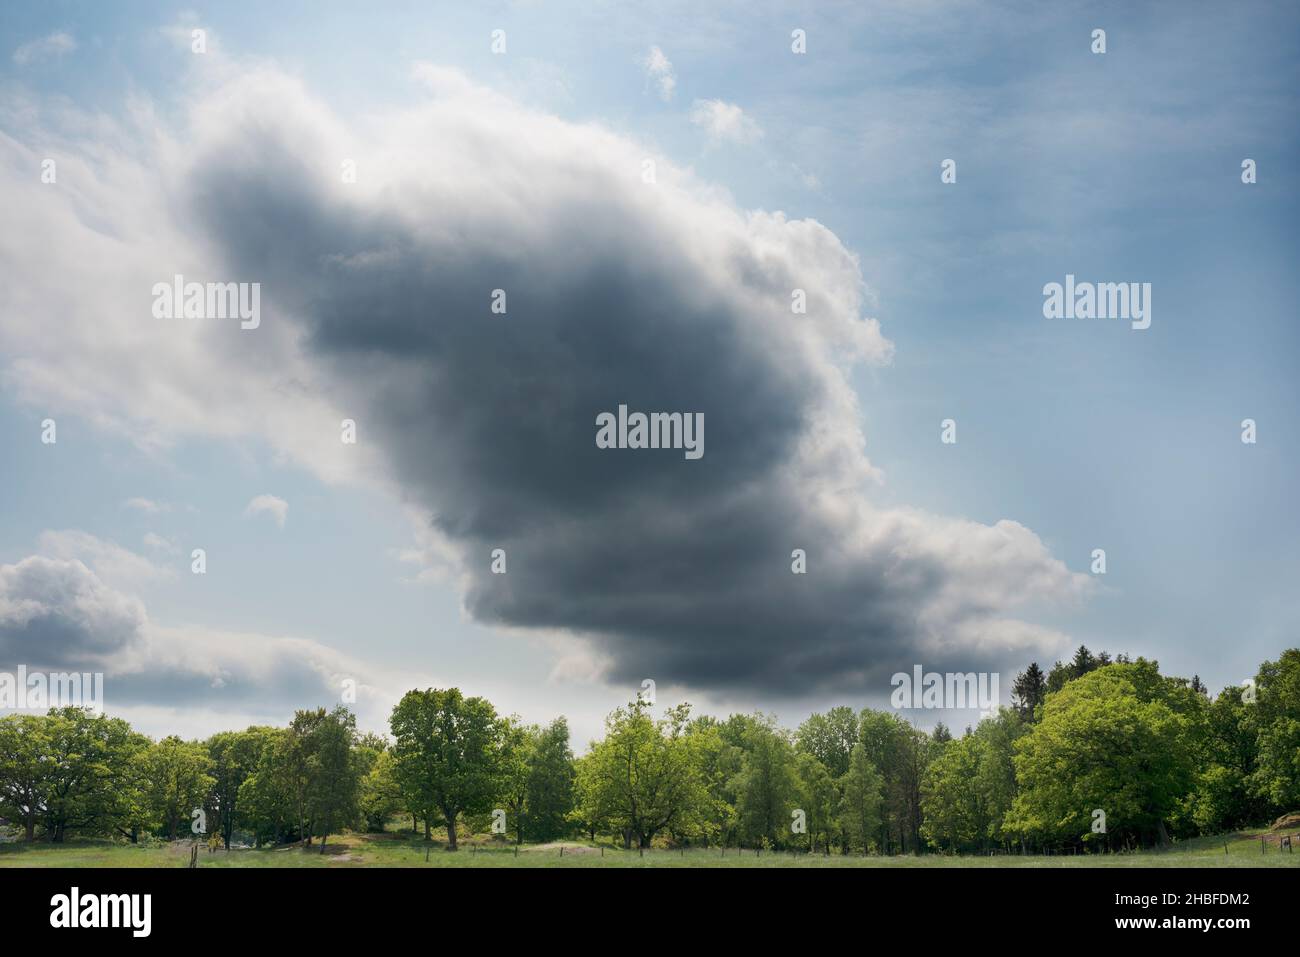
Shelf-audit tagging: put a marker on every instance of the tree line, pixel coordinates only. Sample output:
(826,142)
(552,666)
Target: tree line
(1094,754)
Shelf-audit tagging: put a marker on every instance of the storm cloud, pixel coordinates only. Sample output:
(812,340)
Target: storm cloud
(626,281)
(57,614)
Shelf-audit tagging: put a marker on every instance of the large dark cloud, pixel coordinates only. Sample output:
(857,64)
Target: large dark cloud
(661,296)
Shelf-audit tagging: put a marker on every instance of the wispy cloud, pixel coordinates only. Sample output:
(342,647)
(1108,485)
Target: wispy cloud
(271,505)
(660,71)
(158,542)
(148,506)
(725,122)
(46,48)
(115,565)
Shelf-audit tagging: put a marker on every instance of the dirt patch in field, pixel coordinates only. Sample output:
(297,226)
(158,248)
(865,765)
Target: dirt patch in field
(554,848)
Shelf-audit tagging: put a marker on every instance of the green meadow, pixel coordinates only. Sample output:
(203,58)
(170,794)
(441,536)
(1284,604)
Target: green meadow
(401,850)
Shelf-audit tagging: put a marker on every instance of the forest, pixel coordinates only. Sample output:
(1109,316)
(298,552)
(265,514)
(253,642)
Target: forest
(1096,754)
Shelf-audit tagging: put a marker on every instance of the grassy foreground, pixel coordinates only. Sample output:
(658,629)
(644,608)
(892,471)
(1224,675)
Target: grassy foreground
(401,850)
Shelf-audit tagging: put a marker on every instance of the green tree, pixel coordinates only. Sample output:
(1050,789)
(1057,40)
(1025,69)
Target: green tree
(819,799)
(1116,740)
(956,815)
(90,770)
(549,796)
(643,778)
(996,777)
(265,805)
(448,754)
(861,788)
(333,785)
(177,781)
(381,795)
(899,753)
(767,786)
(24,769)
(719,762)
(1029,691)
(1082,663)
(1276,779)
(593,806)
(234,755)
(518,743)
(1223,799)
(970,786)
(829,738)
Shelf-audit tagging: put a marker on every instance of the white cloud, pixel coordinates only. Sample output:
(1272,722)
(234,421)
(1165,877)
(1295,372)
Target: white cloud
(809,180)
(659,70)
(56,610)
(725,122)
(271,505)
(116,565)
(54,45)
(58,614)
(156,541)
(147,506)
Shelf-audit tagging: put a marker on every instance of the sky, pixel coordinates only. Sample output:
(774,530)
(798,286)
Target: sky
(648,186)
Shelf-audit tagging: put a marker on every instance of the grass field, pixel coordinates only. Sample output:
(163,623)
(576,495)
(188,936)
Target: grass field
(401,850)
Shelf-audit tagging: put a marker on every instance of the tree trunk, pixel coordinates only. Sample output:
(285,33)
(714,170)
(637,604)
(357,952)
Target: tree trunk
(31,829)
(451,832)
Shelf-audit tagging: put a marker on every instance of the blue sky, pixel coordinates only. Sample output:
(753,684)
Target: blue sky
(1116,167)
